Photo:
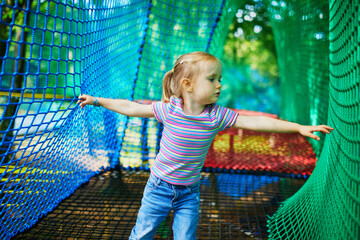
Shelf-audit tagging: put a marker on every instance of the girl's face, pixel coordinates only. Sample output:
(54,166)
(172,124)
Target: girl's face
(207,86)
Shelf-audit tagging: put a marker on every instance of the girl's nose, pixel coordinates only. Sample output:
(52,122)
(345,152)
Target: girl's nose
(218,85)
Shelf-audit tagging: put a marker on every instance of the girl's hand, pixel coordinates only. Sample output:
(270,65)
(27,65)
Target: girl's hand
(85,100)
(307,131)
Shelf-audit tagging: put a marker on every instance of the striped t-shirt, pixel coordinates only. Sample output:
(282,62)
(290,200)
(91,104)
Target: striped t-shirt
(186,139)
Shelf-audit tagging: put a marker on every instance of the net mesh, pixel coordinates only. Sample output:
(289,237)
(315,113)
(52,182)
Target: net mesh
(192,26)
(301,30)
(327,206)
(232,206)
(51,51)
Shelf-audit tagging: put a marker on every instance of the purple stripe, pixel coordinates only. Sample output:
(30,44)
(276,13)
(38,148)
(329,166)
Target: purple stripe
(181,132)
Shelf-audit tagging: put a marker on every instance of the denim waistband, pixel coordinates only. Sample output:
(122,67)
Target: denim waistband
(159,181)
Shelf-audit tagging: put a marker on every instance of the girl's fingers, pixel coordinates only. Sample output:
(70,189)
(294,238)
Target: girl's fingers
(327,127)
(324,129)
(316,138)
(313,136)
(82,100)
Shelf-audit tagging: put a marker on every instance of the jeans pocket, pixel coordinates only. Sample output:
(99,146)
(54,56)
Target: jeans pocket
(150,185)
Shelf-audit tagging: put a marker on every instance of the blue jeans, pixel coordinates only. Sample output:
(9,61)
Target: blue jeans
(158,200)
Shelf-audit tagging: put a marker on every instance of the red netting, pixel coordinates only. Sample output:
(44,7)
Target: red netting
(283,153)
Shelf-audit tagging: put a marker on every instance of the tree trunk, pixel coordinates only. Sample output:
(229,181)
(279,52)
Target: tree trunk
(7,124)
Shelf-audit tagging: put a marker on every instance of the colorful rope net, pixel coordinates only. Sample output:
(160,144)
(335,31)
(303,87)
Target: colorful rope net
(51,51)
(318,50)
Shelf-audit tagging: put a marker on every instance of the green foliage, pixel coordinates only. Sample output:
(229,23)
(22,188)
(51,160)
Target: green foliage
(54,63)
(250,41)
(15,10)
(252,53)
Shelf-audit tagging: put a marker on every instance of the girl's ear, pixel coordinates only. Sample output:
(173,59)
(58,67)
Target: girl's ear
(187,84)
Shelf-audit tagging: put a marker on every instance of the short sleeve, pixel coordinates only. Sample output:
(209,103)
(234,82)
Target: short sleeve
(225,117)
(160,110)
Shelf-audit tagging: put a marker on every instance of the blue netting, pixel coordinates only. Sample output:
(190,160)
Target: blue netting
(53,52)
(192,26)
(50,52)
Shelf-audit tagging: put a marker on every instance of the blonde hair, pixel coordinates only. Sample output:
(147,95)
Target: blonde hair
(186,66)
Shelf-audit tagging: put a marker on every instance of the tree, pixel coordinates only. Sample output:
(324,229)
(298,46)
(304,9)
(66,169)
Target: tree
(250,41)
(13,10)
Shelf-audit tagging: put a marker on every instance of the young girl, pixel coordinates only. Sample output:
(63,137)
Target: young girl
(191,120)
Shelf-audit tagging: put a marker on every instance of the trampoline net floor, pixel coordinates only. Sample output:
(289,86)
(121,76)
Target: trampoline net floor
(233,206)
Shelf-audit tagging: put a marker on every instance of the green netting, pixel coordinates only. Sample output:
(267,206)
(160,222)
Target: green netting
(51,51)
(328,205)
(191,26)
(301,31)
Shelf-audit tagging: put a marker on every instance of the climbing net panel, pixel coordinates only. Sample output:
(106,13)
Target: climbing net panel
(319,45)
(301,31)
(52,51)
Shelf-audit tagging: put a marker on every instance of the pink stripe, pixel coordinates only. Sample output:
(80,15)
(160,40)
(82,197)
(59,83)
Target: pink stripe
(175,141)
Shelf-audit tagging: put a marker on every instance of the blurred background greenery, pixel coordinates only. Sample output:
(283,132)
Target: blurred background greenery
(250,81)
(251,70)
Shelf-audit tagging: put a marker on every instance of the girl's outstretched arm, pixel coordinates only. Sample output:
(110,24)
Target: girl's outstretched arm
(268,124)
(125,107)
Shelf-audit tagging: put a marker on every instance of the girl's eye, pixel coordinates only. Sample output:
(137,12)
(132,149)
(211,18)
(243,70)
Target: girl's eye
(213,79)
(220,80)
